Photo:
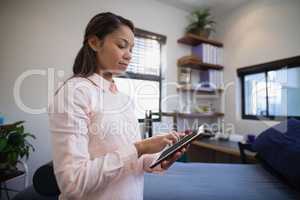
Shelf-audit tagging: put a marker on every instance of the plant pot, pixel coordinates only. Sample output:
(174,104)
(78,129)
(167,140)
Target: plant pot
(3,162)
(5,165)
(204,33)
(201,32)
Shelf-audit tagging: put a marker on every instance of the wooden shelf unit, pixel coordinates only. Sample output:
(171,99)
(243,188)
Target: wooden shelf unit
(193,62)
(193,40)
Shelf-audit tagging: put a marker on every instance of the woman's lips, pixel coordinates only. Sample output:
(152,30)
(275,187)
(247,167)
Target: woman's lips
(123,64)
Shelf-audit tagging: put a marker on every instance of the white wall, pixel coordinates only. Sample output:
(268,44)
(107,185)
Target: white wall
(256,32)
(40,34)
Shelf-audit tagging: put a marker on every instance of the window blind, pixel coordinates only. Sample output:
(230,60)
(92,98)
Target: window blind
(145,57)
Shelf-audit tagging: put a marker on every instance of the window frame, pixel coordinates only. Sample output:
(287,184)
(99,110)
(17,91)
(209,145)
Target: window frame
(147,77)
(288,63)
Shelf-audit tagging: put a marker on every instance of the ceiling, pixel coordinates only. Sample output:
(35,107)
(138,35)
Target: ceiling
(217,6)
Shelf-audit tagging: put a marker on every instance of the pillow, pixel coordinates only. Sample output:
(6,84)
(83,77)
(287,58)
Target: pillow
(279,147)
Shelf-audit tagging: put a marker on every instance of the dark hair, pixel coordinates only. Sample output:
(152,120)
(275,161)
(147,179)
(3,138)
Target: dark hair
(100,25)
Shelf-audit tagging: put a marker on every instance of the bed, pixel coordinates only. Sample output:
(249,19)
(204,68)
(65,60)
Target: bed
(205,181)
(198,181)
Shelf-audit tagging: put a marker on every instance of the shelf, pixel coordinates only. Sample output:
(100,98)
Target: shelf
(199,65)
(191,39)
(192,115)
(199,115)
(195,63)
(187,88)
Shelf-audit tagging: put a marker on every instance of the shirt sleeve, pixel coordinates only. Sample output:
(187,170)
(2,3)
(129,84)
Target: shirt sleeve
(76,173)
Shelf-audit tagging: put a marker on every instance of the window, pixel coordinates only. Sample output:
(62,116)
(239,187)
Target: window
(271,90)
(255,91)
(142,81)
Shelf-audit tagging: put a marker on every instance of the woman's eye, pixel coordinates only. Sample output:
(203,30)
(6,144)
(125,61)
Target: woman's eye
(121,46)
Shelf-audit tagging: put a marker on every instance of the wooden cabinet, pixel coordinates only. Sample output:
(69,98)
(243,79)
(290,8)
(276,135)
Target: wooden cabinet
(215,151)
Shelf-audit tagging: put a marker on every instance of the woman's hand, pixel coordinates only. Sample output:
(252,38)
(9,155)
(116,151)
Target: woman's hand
(157,143)
(169,161)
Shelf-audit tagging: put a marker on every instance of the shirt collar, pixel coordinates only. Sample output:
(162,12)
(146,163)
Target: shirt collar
(100,81)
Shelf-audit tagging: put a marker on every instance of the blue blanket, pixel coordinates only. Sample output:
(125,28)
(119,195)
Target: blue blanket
(201,181)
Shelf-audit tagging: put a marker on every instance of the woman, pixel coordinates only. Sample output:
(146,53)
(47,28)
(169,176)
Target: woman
(97,149)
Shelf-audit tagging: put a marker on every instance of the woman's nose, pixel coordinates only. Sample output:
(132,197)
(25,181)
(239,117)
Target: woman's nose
(128,55)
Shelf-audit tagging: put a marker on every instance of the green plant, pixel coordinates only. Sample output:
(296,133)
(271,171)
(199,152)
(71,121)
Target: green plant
(201,21)
(13,145)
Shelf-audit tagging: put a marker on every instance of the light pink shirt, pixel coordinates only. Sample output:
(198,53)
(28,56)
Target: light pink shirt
(93,131)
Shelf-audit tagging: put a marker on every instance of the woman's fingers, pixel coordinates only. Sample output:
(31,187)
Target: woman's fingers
(175,156)
(179,135)
(167,142)
(164,164)
(167,163)
(183,150)
(173,137)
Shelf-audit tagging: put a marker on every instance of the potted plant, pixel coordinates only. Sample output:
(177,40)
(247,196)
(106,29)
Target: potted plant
(201,23)
(13,145)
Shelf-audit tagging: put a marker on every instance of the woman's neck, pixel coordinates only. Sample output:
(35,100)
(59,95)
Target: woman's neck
(106,75)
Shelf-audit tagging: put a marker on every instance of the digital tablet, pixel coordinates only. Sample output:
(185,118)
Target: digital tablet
(177,146)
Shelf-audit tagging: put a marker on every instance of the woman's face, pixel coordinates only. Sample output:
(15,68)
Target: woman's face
(114,52)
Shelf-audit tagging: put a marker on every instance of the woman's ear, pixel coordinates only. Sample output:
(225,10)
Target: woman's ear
(95,43)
